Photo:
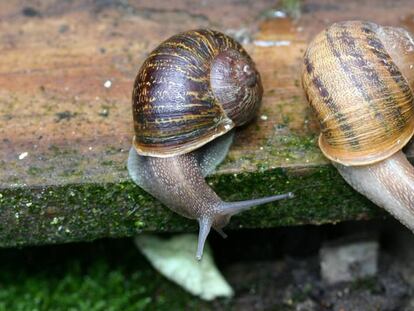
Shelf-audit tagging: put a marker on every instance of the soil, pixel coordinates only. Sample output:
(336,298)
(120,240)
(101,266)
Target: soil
(293,282)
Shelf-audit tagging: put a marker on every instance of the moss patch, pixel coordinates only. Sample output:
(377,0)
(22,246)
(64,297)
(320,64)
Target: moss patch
(83,212)
(87,277)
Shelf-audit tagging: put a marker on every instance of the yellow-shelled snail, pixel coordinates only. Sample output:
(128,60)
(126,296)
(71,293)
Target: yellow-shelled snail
(358,78)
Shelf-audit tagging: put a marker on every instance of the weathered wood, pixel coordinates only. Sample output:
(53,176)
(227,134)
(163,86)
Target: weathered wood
(66,72)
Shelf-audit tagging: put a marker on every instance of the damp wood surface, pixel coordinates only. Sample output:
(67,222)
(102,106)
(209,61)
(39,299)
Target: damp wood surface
(66,75)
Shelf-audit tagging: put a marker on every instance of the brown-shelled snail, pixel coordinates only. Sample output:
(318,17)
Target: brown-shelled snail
(190,91)
(358,78)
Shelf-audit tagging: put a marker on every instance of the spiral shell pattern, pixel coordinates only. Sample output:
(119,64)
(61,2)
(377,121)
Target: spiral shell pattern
(192,88)
(359,92)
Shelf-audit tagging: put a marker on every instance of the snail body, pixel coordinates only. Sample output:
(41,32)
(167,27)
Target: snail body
(358,80)
(189,94)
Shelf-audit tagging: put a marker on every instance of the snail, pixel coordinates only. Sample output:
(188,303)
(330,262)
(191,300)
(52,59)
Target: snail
(358,78)
(189,94)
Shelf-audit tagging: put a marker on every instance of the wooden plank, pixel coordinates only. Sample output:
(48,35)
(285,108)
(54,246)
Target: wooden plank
(66,73)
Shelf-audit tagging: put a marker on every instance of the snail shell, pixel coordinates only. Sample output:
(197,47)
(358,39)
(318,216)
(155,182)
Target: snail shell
(358,78)
(192,88)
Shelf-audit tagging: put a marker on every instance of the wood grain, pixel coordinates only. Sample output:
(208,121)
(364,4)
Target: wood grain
(67,69)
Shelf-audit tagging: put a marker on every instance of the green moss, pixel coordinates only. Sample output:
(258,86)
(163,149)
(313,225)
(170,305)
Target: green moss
(107,276)
(321,196)
(81,212)
(292,7)
(33,170)
(56,151)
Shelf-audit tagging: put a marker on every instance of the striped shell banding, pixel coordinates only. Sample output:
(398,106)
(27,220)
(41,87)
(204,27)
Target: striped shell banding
(357,82)
(192,88)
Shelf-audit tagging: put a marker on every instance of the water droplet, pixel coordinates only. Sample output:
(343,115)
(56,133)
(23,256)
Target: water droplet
(265,43)
(279,14)
(23,155)
(108,84)
(263,117)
